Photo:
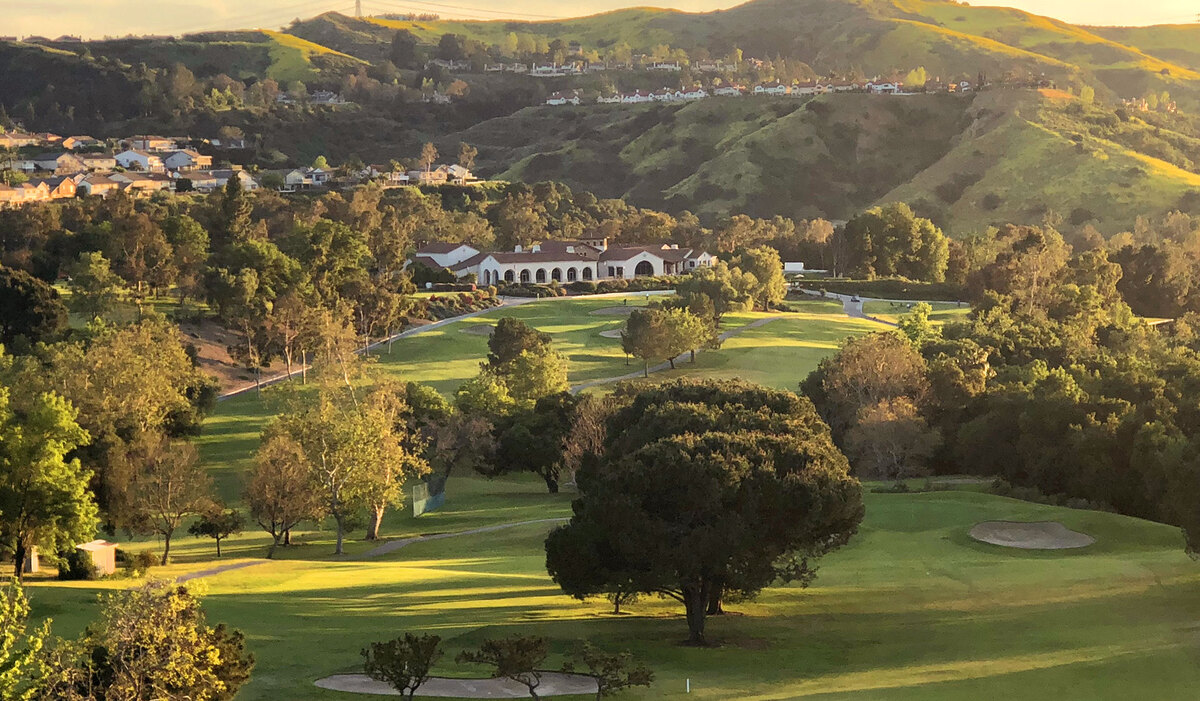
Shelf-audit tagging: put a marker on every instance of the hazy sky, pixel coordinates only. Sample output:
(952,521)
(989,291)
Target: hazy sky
(97,18)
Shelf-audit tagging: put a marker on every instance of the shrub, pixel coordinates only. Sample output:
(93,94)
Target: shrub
(137,564)
(76,565)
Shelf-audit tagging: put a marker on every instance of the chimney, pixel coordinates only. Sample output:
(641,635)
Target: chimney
(517,248)
(604,244)
(536,248)
(570,249)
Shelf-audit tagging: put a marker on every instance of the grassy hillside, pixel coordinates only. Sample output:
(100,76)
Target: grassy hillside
(1178,43)
(875,36)
(828,156)
(1000,156)
(1025,160)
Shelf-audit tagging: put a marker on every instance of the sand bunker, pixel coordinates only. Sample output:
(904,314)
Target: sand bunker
(611,333)
(1038,535)
(479,329)
(614,311)
(553,684)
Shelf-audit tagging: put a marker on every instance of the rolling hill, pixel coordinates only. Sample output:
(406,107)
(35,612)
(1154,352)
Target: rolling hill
(872,36)
(967,162)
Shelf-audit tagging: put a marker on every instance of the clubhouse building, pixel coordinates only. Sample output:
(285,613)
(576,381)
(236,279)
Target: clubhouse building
(561,261)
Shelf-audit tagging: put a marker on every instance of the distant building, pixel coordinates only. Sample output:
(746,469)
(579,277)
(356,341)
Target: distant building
(138,159)
(570,97)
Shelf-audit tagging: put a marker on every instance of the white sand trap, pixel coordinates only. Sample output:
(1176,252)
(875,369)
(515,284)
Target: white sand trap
(479,329)
(614,311)
(1036,535)
(553,684)
(611,333)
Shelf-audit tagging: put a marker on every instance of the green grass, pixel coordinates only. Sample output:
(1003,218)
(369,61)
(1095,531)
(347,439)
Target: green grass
(911,609)
(892,311)
(780,354)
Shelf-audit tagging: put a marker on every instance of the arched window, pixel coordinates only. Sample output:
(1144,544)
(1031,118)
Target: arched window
(643,268)
(487,277)
(571,276)
(587,273)
(508,276)
(541,275)
(556,274)
(524,276)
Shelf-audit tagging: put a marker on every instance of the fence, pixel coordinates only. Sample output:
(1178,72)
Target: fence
(423,501)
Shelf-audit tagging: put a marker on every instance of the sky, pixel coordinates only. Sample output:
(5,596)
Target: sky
(99,18)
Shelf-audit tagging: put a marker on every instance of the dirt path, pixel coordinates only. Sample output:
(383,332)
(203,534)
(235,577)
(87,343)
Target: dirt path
(394,545)
(552,684)
(218,570)
(667,365)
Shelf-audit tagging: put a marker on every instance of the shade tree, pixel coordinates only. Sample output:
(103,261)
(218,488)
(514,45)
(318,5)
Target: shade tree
(281,490)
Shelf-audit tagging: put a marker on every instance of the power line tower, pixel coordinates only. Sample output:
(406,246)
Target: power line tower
(358,8)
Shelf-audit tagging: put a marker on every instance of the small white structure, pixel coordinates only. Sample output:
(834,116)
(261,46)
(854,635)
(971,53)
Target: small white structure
(186,159)
(103,554)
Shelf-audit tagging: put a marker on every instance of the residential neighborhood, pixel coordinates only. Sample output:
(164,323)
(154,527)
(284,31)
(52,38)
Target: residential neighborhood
(82,166)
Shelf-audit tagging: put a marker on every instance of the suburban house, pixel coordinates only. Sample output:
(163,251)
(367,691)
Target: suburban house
(77,142)
(608,99)
(325,97)
(58,187)
(636,96)
(142,182)
(186,159)
(96,184)
(884,88)
(561,261)
(305,178)
(96,162)
(571,97)
(440,175)
(138,159)
(775,88)
(151,143)
(59,162)
(664,66)
(729,91)
(224,175)
(201,180)
(16,139)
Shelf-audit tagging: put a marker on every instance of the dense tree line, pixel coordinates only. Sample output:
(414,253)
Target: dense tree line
(1052,382)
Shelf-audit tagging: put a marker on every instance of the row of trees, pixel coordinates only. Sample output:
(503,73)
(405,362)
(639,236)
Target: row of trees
(405,663)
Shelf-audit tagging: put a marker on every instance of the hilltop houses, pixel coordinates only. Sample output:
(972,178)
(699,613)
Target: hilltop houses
(561,261)
(570,97)
(138,159)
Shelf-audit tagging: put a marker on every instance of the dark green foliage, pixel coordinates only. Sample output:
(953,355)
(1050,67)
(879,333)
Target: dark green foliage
(706,490)
(511,338)
(76,564)
(533,440)
(29,309)
(404,662)
(218,525)
(517,657)
(892,241)
(613,672)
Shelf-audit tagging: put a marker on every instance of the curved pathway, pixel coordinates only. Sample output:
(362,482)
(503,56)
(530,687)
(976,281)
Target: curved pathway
(552,684)
(504,302)
(394,545)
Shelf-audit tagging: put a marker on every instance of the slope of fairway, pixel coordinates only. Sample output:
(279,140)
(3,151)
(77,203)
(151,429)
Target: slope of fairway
(913,608)
(446,357)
